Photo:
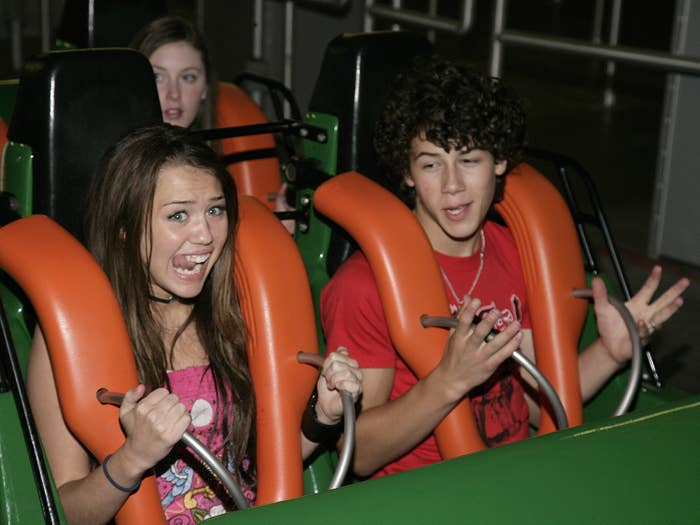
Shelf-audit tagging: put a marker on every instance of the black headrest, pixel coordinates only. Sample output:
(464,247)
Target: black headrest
(71,106)
(356,72)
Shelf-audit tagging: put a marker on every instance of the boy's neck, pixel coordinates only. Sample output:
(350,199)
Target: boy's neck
(454,247)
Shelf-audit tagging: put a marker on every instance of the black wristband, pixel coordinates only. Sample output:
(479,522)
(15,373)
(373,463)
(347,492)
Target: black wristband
(312,428)
(116,485)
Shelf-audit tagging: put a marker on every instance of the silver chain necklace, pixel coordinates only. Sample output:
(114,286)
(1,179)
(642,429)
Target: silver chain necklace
(478,272)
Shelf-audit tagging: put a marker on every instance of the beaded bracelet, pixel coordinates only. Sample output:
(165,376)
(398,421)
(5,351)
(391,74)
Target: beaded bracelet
(116,485)
(312,428)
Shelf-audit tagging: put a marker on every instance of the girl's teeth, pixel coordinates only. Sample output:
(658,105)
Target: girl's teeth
(198,259)
(192,271)
(189,264)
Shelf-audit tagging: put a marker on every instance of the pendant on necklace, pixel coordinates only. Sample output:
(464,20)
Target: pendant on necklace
(450,287)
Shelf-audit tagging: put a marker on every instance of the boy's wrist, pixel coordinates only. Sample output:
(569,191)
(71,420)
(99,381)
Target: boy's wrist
(438,384)
(313,429)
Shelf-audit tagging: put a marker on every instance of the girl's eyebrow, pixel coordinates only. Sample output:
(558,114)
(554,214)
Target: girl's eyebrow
(177,203)
(181,202)
(189,68)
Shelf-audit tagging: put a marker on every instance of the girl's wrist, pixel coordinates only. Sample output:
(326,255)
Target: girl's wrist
(131,488)
(121,472)
(129,462)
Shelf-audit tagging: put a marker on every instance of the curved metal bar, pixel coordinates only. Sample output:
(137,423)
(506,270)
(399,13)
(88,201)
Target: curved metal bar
(636,365)
(547,387)
(345,456)
(560,417)
(218,468)
(104,396)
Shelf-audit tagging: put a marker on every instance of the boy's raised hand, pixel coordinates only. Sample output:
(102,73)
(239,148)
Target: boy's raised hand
(648,313)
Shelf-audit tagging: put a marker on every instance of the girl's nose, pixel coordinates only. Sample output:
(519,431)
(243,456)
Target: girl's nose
(201,232)
(173,90)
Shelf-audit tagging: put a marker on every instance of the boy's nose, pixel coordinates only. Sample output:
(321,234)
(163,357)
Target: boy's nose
(451,181)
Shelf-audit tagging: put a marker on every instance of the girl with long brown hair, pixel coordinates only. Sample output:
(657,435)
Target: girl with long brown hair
(161,222)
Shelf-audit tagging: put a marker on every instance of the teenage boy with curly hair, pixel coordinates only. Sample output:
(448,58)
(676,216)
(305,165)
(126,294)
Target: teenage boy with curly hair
(448,136)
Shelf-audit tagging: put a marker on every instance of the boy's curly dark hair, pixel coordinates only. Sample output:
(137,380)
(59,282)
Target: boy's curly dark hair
(451,106)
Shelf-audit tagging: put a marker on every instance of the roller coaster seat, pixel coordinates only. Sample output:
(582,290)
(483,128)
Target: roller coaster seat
(549,246)
(71,106)
(97,95)
(356,71)
(89,346)
(410,283)
(252,159)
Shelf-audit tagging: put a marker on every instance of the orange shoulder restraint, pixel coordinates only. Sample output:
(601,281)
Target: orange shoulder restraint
(86,336)
(278,309)
(257,176)
(550,254)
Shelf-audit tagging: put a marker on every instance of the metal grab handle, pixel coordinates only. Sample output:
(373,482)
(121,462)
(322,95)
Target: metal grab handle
(107,397)
(559,413)
(346,451)
(636,364)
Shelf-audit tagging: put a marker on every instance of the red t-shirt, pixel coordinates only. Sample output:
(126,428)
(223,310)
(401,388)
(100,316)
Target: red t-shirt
(352,316)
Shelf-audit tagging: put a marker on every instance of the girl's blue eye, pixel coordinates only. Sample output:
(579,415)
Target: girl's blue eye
(217,210)
(178,216)
(189,77)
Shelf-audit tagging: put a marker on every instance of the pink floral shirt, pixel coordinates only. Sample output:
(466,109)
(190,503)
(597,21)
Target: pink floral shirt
(189,493)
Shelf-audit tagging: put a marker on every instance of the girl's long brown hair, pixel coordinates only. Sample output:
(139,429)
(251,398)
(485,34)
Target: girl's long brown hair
(119,216)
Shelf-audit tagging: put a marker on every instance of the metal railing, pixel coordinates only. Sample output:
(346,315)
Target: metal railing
(614,53)
(429,20)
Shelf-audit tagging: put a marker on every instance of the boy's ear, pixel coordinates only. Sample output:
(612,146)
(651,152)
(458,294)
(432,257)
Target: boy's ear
(408,180)
(500,167)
